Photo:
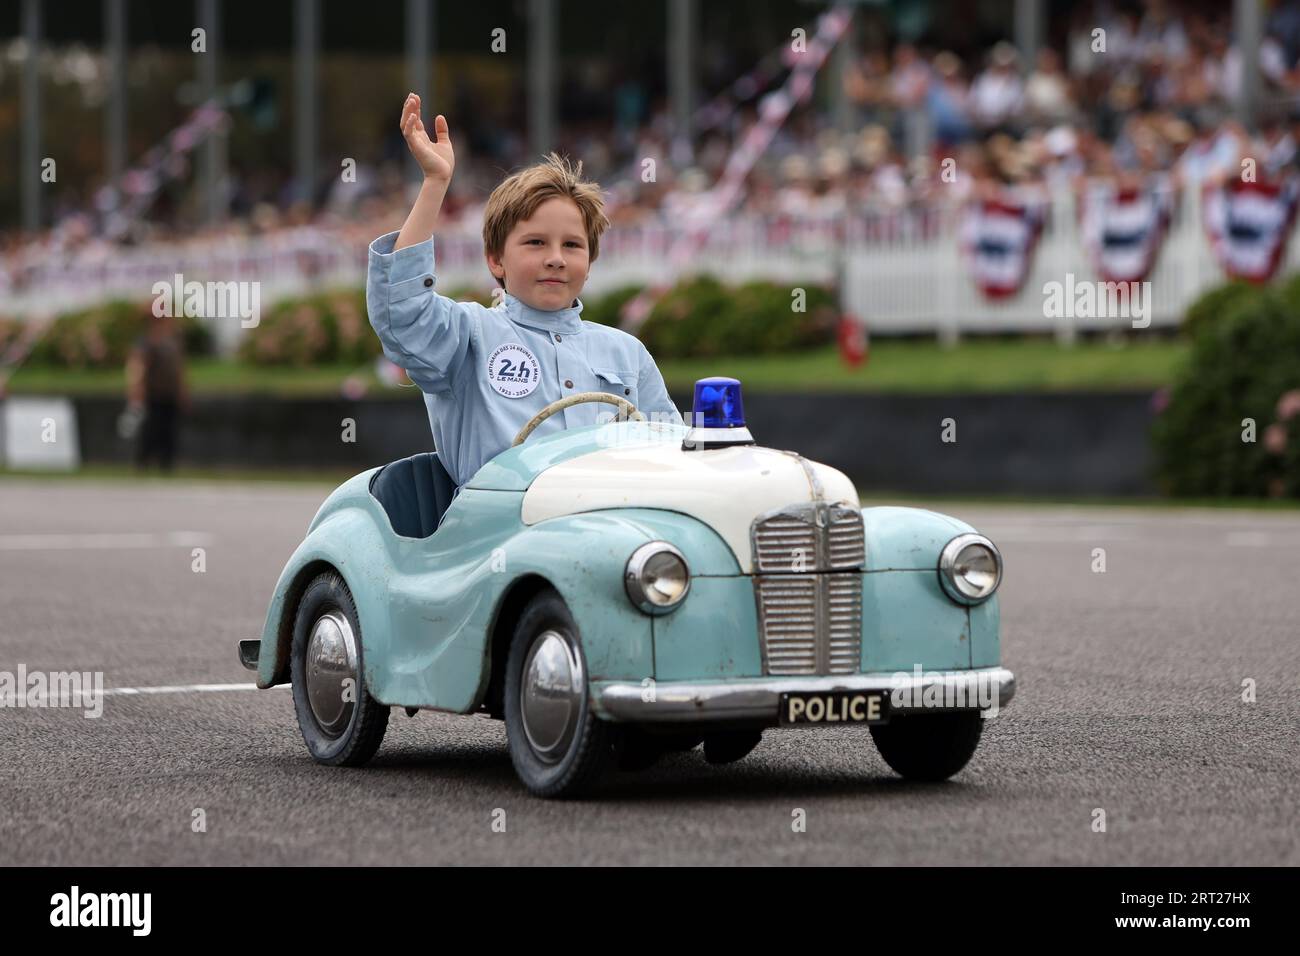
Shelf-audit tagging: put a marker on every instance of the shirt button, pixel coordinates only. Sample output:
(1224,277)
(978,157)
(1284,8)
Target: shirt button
(568,383)
(557,337)
(627,391)
(427,283)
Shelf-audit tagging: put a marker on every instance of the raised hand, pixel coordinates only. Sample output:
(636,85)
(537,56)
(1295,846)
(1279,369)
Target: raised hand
(435,155)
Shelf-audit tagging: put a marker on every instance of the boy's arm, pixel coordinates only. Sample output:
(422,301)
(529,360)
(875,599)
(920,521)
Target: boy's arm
(425,333)
(424,214)
(437,161)
(652,394)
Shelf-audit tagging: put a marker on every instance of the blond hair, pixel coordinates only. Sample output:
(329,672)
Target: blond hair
(518,197)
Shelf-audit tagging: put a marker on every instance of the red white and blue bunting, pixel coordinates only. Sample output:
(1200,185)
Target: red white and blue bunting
(998,237)
(1248,224)
(1124,227)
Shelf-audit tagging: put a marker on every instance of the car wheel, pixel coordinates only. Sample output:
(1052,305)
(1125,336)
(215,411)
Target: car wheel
(341,723)
(558,746)
(928,746)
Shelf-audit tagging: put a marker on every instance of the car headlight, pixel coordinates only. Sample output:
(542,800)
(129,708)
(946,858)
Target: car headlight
(970,568)
(657,578)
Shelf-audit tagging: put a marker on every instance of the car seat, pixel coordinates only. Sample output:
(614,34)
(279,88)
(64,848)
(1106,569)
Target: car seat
(415,492)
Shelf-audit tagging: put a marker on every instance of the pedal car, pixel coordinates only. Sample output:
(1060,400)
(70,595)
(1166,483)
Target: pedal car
(625,589)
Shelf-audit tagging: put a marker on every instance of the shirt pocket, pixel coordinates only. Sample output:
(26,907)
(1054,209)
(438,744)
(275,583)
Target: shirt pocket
(616,382)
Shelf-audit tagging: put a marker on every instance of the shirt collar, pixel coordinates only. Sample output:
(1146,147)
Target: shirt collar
(561,320)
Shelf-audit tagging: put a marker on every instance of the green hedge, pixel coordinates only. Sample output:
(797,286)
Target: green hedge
(1244,364)
(327,327)
(608,308)
(702,318)
(699,318)
(1215,303)
(101,337)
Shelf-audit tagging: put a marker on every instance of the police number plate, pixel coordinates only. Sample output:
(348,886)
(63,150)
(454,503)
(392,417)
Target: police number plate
(835,707)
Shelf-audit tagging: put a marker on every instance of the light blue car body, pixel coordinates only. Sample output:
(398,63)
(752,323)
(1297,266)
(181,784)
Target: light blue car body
(437,613)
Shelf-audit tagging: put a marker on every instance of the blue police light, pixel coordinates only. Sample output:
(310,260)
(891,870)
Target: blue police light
(717,404)
(717,416)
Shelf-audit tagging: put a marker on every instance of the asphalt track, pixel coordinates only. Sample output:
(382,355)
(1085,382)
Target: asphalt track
(1129,701)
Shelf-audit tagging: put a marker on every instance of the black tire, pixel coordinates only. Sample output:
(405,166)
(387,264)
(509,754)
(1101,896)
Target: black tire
(590,751)
(929,747)
(357,742)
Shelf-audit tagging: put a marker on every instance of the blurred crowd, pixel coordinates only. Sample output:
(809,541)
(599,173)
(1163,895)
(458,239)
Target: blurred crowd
(1130,90)
(1124,90)
(1148,89)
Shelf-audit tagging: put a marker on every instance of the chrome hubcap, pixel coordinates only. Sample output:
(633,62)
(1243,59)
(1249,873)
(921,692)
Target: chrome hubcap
(550,695)
(331,666)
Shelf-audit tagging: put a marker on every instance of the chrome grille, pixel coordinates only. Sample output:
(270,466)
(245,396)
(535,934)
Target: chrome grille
(787,609)
(844,622)
(785,544)
(846,542)
(809,610)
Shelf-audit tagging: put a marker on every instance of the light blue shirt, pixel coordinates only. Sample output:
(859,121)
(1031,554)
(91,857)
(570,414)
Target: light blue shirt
(486,371)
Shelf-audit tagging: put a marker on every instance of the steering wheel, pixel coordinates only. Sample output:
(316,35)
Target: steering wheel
(559,405)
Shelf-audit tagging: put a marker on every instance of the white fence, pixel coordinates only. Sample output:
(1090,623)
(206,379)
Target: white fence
(914,283)
(902,272)
(34,284)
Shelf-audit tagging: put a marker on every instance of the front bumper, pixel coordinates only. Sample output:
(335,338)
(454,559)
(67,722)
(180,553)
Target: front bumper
(757,700)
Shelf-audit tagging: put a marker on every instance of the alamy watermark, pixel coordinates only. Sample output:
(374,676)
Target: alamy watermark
(208,300)
(622,433)
(84,689)
(74,908)
(966,691)
(1098,300)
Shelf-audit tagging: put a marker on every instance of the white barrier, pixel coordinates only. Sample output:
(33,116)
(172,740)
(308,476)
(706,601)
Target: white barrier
(39,433)
(920,284)
(297,262)
(900,271)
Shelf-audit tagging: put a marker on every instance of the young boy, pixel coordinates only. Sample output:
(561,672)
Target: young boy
(486,372)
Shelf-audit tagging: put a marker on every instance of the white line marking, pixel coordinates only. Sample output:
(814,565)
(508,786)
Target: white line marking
(76,698)
(183,689)
(1048,534)
(107,540)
